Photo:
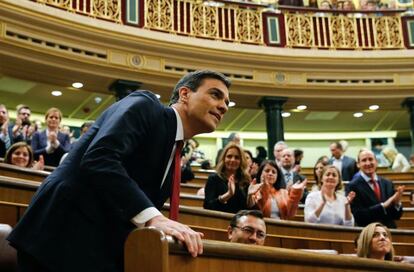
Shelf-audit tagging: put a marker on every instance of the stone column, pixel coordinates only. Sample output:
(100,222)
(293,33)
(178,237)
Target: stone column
(409,104)
(122,88)
(273,107)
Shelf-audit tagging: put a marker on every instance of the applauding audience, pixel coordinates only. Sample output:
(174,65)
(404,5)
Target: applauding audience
(270,196)
(21,154)
(327,205)
(51,143)
(226,190)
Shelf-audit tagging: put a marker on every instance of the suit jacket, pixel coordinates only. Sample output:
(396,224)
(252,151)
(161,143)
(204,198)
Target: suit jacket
(349,168)
(81,216)
(367,209)
(3,148)
(39,143)
(296,178)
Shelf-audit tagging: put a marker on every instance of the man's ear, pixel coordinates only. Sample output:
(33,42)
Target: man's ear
(230,232)
(184,93)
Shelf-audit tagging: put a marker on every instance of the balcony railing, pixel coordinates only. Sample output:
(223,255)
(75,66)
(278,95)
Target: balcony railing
(244,22)
(102,9)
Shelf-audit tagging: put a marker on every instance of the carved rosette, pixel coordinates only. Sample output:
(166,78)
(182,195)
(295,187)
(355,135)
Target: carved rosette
(389,32)
(159,14)
(249,26)
(204,21)
(299,29)
(343,32)
(107,9)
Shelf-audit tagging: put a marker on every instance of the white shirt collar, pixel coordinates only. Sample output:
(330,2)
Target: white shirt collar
(368,178)
(179,136)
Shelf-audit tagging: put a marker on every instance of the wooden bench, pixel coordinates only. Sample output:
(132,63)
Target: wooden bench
(23,173)
(151,250)
(214,219)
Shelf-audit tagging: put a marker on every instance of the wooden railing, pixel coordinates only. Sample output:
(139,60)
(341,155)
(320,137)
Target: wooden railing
(151,250)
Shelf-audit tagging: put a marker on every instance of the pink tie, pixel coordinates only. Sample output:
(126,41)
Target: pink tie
(175,187)
(377,190)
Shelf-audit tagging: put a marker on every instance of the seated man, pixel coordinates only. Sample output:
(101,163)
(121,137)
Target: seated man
(247,227)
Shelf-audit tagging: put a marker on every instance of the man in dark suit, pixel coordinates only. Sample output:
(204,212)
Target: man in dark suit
(345,164)
(6,134)
(116,178)
(375,199)
(290,177)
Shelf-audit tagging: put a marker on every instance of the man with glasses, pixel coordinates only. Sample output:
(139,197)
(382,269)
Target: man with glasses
(22,128)
(247,227)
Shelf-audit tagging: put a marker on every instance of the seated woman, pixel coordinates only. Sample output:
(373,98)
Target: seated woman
(375,242)
(51,143)
(269,196)
(317,172)
(21,154)
(397,160)
(327,206)
(226,190)
(252,166)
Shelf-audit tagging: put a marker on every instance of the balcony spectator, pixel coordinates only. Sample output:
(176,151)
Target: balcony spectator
(294,3)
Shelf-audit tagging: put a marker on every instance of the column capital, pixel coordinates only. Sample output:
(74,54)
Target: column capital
(122,87)
(272,102)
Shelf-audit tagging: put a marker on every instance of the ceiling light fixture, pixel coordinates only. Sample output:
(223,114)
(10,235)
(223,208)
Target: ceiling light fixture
(302,107)
(56,93)
(158,96)
(374,107)
(286,114)
(232,104)
(77,85)
(358,114)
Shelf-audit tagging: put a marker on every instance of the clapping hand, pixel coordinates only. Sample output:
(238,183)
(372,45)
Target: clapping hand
(231,184)
(300,185)
(254,187)
(350,197)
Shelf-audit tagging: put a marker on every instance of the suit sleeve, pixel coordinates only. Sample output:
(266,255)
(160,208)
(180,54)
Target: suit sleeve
(37,146)
(123,131)
(365,214)
(212,192)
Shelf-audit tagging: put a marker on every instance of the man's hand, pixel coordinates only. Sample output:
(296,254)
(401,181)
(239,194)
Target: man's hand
(395,198)
(191,238)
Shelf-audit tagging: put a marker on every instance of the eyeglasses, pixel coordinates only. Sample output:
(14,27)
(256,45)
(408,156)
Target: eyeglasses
(250,231)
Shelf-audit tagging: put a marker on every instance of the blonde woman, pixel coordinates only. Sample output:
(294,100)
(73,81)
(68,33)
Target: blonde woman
(327,206)
(226,190)
(375,242)
(397,160)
